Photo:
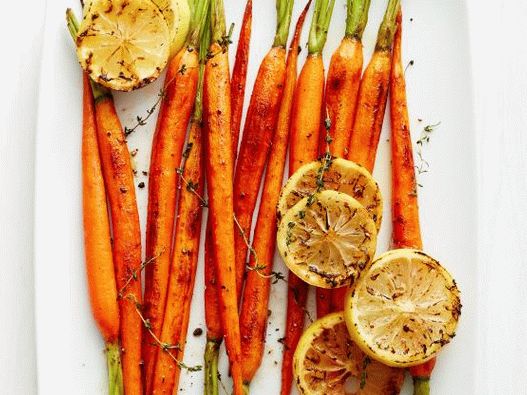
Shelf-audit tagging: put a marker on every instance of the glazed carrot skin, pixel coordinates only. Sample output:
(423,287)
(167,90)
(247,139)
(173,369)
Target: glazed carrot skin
(342,87)
(305,127)
(169,137)
(97,238)
(405,207)
(184,264)
(119,181)
(254,310)
(372,99)
(212,310)
(239,75)
(219,166)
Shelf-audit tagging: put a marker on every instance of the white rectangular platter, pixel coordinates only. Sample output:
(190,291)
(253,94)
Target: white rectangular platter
(69,349)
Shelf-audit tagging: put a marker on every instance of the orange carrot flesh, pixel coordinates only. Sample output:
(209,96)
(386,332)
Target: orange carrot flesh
(405,207)
(304,139)
(219,165)
(97,244)
(119,181)
(97,238)
(212,309)
(371,105)
(175,111)
(342,88)
(254,309)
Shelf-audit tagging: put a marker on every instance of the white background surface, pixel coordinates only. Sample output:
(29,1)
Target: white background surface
(500,85)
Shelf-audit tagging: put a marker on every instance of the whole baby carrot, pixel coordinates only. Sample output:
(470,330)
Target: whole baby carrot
(175,111)
(305,125)
(97,244)
(187,231)
(119,181)
(254,310)
(405,208)
(259,129)
(219,165)
(212,311)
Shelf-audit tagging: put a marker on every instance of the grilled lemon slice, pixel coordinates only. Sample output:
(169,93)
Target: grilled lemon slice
(341,175)
(177,15)
(123,44)
(326,361)
(327,238)
(403,309)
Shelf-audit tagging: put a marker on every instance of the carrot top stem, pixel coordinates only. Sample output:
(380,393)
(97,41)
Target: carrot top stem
(284,9)
(421,386)
(388,27)
(212,351)
(99,91)
(200,10)
(204,42)
(115,372)
(319,26)
(218,21)
(357,18)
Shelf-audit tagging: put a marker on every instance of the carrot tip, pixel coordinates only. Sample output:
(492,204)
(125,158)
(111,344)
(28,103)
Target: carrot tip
(115,372)
(212,351)
(421,386)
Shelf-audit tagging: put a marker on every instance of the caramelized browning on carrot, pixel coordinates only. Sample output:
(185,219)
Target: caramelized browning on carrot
(175,112)
(258,133)
(217,112)
(119,181)
(254,310)
(97,238)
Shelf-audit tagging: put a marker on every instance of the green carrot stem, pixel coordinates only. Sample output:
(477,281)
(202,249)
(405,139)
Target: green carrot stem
(218,20)
(212,351)
(246,389)
(388,27)
(319,26)
(357,18)
(115,371)
(199,9)
(284,9)
(421,386)
(204,43)
(99,91)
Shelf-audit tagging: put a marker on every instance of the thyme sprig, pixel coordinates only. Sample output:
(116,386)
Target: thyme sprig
(166,347)
(142,121)
(258,267)
(424,139)
(134,275)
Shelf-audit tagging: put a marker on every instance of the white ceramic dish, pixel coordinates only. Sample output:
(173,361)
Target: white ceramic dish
(69,349)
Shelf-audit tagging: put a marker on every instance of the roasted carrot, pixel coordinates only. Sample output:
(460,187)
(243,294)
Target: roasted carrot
(212,311)
(187,231)
(405,208)
(254,309)
(175,111)
(371,105)
(97,244)
(119,181)
(260,125)
(239,74)
(219,166)
(342,87)
(305,124)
